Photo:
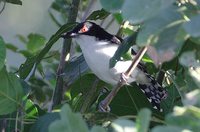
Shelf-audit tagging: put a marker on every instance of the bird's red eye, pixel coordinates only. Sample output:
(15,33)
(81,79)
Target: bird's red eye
(84,29)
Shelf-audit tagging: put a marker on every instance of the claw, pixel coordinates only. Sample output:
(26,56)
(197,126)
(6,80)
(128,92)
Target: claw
(102,108)
(124,79)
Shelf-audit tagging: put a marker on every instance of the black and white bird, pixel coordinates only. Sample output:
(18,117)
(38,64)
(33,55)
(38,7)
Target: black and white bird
(99,46)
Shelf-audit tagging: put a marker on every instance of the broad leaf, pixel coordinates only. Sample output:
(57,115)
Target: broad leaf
(151,29)
(168,129)
(11,92)
(2,53)
(137,11)
(123,125)
(42,124)
(35,42)
(143,120)
(69,122)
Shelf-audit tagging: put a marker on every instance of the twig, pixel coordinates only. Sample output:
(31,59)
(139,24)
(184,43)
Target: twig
(58,92)
(105,103)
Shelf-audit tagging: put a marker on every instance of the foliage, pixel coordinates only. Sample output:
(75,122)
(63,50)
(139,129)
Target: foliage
(170,28)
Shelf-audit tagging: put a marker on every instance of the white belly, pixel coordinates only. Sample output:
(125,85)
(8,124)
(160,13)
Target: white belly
(98,56)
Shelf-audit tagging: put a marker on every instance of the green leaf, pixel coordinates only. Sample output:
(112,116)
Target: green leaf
(11,92)
(2,53)
(18,2)
(97,129)
(22,38)
(11,47)
(185,117)
(169,129)
(151,29)
(35,42)
(193,27)
(27,67)
(112,5)
(123,125)
(143,120)
(42,124)
(69,122)
(99,14)
(137,11)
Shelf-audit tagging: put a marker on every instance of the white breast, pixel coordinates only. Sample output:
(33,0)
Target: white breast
(97,55)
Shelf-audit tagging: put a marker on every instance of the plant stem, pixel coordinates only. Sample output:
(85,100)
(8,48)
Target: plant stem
(58,92)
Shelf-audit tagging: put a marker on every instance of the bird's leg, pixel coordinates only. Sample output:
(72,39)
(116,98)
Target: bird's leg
(104,104)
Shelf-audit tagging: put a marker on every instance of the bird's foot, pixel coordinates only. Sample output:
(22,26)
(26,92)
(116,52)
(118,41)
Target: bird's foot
(123,79)
(103,108)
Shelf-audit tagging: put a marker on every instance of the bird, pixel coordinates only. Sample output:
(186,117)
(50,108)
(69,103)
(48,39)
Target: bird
(98,47)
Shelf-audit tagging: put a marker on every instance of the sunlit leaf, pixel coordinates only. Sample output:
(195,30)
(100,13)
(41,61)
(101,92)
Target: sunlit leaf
(137,11)
(123,125)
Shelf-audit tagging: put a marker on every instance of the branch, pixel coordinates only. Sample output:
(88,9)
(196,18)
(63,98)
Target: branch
(105,103)
(58,92)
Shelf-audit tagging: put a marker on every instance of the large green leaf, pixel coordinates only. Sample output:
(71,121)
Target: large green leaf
(151,29)
(29,64)
(193,27)
(42,124)
(69,122)
(112,5)
(11,92)
(137,11)
(35,42)
(2,52)
(143,120)
(168,129)
(123,125)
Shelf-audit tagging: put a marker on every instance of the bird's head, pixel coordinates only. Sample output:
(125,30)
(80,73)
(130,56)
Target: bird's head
(88,28)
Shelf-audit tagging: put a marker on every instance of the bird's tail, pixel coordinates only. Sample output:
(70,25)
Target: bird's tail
(154,92)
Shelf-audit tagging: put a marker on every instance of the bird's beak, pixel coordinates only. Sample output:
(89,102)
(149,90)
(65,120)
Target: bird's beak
(69,34)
